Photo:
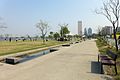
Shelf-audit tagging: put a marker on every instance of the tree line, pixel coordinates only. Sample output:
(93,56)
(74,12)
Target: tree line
(44,29)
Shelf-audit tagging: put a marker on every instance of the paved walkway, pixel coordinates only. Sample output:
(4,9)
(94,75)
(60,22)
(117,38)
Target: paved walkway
(68,63)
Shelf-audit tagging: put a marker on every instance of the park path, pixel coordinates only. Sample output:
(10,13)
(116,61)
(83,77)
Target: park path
(68,63)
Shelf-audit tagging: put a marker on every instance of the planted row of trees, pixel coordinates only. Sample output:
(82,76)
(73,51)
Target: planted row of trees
(111,10)
(44,29)
(54,35)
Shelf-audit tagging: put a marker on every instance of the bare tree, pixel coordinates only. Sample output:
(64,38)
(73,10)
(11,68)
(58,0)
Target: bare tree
(99,30)
(111,10)
(43,27)
(29,37)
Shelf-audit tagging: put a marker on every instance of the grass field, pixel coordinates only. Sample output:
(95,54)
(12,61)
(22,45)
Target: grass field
(7,47)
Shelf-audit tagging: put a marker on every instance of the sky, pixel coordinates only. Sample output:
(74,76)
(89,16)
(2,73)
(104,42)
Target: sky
(21,16)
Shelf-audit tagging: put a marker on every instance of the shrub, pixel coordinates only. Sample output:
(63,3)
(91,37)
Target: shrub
(117,77)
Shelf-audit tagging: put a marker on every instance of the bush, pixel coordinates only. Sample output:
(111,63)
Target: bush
(101,42)
(117,77)
(103,47)
(118,53)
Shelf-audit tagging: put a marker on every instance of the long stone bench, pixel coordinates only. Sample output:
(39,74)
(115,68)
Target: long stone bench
(66,45)
(12,60)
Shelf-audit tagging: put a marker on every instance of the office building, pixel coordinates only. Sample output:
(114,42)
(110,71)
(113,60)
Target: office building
(80,28)
(89,32)
(85,32)
(107,30)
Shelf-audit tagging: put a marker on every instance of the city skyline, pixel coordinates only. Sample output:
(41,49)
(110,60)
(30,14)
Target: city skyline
(20,15)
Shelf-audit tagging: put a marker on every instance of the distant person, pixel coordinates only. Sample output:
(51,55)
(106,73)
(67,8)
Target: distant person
(10,39)
(23,39)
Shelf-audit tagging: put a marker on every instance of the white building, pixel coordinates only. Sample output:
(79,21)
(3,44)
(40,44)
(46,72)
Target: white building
(80,28)
(107,30)
(118,29)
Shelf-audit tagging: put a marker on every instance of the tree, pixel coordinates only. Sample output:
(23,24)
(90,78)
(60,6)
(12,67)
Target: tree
(36,37)
(76,36)
(99,31)
(64,30)
(56,35)
(51,35)
(69,37)
(111,10)
(29,37)
(43,27)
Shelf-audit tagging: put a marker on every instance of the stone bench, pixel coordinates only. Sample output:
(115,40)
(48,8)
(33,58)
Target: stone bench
(12,60)
(66,45)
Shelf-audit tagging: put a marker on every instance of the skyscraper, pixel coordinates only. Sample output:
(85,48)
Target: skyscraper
(85,32)
(89,32)
(80,28)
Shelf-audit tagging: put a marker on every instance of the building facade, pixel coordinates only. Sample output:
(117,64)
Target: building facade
(107,30)
(85,32)
(118,29)
(80,28)
(89,31)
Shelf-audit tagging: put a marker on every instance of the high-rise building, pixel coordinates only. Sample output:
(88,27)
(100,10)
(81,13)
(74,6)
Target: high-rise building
(107,30)
(89,32)
(80,28)
(85,32)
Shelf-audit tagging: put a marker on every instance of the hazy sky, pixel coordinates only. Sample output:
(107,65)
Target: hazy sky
(21,16)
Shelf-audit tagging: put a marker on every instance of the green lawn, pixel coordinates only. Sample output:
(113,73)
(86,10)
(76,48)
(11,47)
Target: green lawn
(7,47)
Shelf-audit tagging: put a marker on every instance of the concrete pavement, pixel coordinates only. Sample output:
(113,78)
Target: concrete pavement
(68,63)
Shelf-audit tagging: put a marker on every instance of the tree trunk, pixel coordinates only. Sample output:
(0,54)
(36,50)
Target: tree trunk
(115,38)
(43,40)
